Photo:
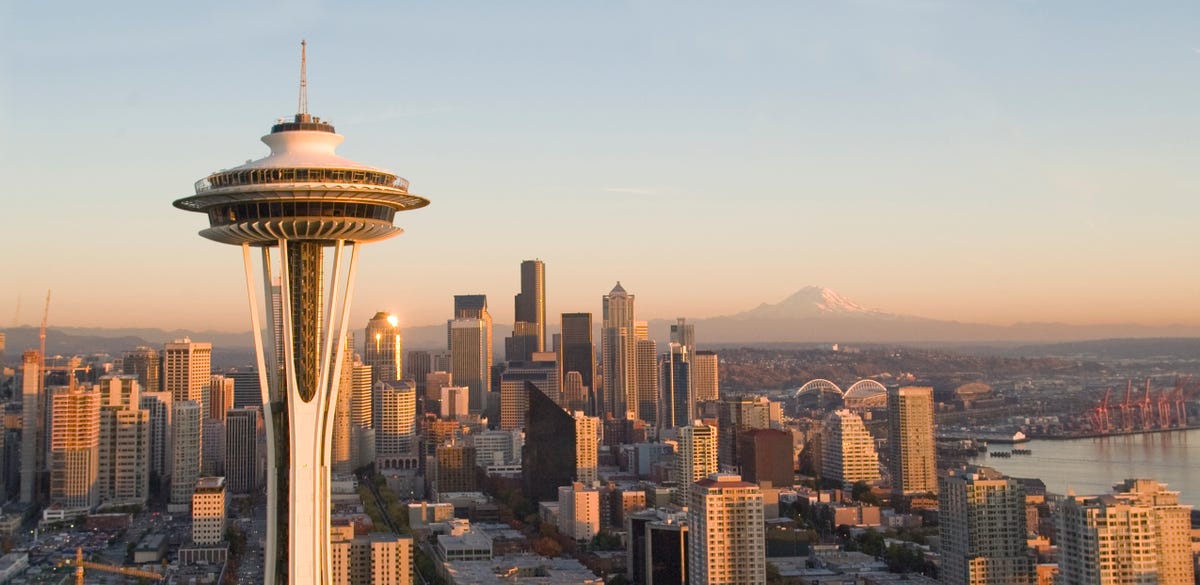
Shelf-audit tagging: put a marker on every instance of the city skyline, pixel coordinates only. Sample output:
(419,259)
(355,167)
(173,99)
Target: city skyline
(947,161)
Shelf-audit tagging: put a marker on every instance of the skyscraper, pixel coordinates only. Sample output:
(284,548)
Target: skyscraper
(382,348)
(300,200)
(220,396)
(530,312)
(577,353)
(470,359)
(548,459)
(362,415)
(417,365)
(342,457)
(684,334)
(695,459)
(158,405)
(912,454)
(676,388)
(242,453)
(647,392)
(33,432)
(187,371)
(704,376)
(1141,534)
(75,449)
(143,362)
(982,518)
(725,519)
(514,400)
(186,430)
(618,343)
(575,393)
(847,449)
(766,455)
(587,447)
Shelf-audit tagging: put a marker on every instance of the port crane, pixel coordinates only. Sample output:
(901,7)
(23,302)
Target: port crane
(81,564)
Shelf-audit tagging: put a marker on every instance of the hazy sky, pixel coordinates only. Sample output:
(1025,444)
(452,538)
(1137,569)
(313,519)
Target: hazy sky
(982,161)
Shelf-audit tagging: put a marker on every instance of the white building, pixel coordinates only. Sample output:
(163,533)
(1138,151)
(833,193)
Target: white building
(578,511)
(695,459)
(587,446)
(208,511)
(186,445)
(848,449)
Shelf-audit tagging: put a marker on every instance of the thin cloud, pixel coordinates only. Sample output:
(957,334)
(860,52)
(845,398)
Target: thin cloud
(631,190)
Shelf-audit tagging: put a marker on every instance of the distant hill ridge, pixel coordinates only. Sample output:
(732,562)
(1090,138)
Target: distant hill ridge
(810,315)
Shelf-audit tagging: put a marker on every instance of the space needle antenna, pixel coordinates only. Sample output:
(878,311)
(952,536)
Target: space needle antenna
(302,107)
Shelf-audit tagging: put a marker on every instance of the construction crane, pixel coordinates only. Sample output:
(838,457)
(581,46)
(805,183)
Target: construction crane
(81,564)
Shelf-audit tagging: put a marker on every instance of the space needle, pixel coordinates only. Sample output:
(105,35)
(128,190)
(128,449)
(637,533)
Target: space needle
(300,206)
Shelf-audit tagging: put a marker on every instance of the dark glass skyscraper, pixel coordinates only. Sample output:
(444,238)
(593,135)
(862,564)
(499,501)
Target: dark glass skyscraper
(548,457)
(677,388)
(577,353)
(530,311)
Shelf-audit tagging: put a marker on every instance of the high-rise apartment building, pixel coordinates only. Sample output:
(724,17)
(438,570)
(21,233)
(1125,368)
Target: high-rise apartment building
(676,388)
(243,454)
(33,431)
(578,511)
(187,371)
(725,520)
(577,353)
(618,344)
(1140,534)
(705,385)
(912,450)
(982,518)
(124,462)
(470,356)
(208,511)
(587,447)
(75,449)
(848,449)
(382,348)
(395,423)
(187,428)
(341,459)
(695,459)
(378,558)
(145,363)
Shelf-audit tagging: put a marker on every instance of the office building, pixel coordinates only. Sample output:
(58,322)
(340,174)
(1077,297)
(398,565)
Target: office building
(912,450)
(75,449)
(578,511)
(577,353)
(514,400)
(982,524)
(33,430)
(212,447)
(725,519)
(454,402)
(530,304)
(145,363)
(208,511)
(362,415)
(695,459)
(454,469)
(737,415)
(220,396)
(657,547)
(496,448)
(684,334)
(1140,534)
(158,405)
(766,457)
(470,352)
(270,205)
(377,558)
(676,388)
(382,348)
(243,452)
(618,344)
(186,446)
(434,382)
(705,386)
(848,449)
(548,459)
(187,371)
(417,365)
(575,394)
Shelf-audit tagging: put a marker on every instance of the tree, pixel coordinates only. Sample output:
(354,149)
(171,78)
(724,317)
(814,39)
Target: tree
(547,547)
(861,492)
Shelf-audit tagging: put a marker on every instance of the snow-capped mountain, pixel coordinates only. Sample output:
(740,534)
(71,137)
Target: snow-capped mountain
(813,302)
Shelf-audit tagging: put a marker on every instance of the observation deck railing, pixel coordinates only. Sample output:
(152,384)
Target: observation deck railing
(268,176)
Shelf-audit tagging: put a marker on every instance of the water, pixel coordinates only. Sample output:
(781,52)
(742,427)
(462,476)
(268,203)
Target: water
(1092,466)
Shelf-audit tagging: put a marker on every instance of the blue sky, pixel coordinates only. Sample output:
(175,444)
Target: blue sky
(980,161)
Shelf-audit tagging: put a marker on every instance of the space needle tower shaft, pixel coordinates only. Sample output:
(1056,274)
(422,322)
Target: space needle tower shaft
(307,210)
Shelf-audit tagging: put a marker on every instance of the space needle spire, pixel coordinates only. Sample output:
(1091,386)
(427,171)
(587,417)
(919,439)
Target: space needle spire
(307,211)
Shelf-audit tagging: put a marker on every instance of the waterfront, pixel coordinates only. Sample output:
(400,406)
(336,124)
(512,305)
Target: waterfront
(1092,465)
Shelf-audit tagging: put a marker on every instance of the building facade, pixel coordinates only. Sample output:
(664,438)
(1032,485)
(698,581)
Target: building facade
(848,449)
(725,520)
(982,517)
(912,451)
